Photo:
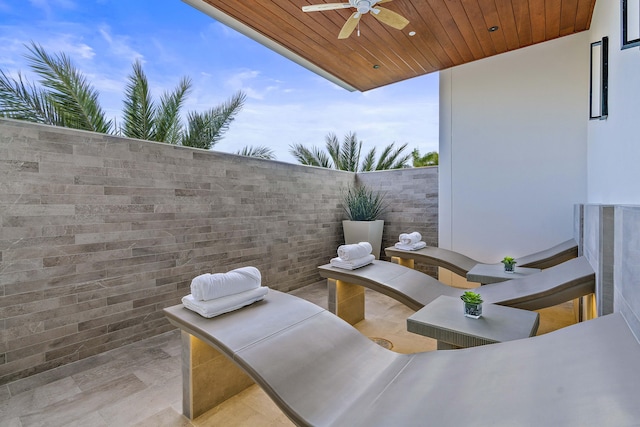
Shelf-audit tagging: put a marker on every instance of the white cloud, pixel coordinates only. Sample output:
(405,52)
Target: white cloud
(238,80)
(250,83)
(120,46)
(218,29)
(66,44)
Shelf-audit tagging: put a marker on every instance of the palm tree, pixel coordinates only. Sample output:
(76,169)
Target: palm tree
(429,159)
(144,119)
(346,155)
(67,99)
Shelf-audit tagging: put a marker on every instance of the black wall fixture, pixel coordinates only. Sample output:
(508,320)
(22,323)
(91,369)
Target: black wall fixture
(599,80)
(630,23)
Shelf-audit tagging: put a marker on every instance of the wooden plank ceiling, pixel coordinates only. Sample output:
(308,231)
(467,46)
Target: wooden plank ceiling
(447,33)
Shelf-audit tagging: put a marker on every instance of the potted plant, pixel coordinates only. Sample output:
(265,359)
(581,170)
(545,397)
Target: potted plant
(472,304)
(509,264)
(363,207)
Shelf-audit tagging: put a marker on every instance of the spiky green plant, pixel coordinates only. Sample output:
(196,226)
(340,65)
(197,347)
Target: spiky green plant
(362,203)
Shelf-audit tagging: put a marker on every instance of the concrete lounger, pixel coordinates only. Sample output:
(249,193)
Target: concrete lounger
(552,286)
(322,372)
(461,264)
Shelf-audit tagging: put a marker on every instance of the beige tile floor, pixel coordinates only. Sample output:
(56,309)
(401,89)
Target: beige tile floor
(140,384)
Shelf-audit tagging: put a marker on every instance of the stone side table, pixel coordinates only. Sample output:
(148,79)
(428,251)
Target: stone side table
(444,320)
(493,273)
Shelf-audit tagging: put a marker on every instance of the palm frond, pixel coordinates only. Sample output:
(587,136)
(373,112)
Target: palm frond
(138,114)
(77,101)
(333,148)
(168,125)
(384,161)
(199,132)
(429,159)
(213,123)
(369,160)
(24,101)
(390,159)
(310,157)
(260,152)
(350,153)
(400,160)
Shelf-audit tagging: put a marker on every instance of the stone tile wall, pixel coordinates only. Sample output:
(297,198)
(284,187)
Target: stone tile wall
(99,233)
(598,246)
(412,197)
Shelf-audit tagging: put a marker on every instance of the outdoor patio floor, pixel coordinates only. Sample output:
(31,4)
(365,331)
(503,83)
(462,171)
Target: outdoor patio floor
(141,385)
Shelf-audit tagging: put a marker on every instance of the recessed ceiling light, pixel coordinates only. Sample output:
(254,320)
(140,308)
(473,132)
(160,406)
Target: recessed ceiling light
(412,33)
(494,28)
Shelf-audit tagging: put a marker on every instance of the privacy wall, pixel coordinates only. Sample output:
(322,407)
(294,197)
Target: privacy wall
(99,233)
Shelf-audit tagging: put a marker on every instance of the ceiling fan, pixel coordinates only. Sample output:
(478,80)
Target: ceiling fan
(362,7)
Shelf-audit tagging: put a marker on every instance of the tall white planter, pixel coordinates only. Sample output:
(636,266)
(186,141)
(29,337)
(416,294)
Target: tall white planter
(364,231)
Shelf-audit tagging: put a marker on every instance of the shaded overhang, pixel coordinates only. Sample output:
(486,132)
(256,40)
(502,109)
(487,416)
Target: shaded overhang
(440,34)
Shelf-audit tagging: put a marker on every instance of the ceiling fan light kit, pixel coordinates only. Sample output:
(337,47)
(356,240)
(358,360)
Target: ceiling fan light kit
(384,15)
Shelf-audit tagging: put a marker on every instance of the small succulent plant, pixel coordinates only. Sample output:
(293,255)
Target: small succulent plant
(508,260)
(471,297)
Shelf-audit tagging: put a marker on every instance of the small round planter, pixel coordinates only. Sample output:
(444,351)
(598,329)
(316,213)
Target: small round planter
(472,310)
(509,268)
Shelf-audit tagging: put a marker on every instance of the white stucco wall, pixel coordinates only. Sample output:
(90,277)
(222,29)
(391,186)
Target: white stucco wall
(614,144)
(513,134)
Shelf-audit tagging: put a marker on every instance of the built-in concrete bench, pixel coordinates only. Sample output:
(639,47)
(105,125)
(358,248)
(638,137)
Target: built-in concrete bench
(461,264)
(321,371)
(564,282)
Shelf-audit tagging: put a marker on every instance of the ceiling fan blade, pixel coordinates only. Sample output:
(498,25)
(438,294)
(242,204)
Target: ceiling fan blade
(349,26)
(390,18)
(327,6)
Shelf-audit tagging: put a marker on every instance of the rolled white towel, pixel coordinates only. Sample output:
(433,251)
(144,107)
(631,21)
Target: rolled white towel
(226,304)
(411,247)
(211,286)
(354,251)
(352,264)
(409,238)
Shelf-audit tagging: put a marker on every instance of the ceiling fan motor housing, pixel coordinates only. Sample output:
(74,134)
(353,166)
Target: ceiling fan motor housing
(362,6)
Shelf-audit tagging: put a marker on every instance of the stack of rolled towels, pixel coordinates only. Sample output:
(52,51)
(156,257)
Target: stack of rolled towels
(410,242)
(353,256)
(215,294)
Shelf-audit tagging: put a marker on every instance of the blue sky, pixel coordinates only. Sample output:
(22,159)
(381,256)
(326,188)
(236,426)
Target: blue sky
(286,103)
